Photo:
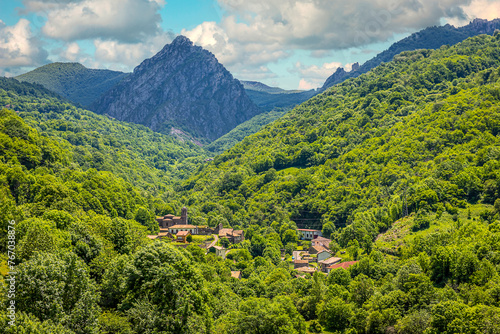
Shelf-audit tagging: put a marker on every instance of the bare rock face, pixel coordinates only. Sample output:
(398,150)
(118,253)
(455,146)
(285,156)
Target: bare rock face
(183,86)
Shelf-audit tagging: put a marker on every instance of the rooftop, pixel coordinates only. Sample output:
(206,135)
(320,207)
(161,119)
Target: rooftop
(306,269)
(319,249)
(301,261)
(343,265)
(236,274)
(181,227)
(183,233)
(331,260)
(307,230)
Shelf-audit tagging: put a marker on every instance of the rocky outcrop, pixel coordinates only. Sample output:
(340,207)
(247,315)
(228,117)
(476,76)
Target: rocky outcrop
(183,86)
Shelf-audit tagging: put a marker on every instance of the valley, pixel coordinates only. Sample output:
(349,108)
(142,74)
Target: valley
(178,199)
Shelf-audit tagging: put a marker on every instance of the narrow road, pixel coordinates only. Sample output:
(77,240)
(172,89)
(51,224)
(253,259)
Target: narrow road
(216,238)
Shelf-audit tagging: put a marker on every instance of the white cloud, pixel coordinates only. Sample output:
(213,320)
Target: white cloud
(260,73)
(215,38)
(256,33)
(314,76)
(484,9)
(19,48)
(125,56)
(331,24)
(122,20)
(306,85)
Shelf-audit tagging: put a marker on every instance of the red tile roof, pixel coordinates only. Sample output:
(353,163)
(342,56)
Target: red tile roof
(182,233)
(343,265)
(307,230)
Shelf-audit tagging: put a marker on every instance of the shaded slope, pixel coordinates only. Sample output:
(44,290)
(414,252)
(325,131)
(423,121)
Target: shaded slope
(74,81)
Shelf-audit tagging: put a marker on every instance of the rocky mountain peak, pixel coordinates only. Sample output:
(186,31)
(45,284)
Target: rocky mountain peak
(183,86)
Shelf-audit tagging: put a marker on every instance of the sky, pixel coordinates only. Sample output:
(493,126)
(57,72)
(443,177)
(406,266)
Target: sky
(292,44)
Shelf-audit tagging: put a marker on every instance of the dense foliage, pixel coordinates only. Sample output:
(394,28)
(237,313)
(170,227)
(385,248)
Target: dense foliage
(400,167)
(247,128)
(428,38)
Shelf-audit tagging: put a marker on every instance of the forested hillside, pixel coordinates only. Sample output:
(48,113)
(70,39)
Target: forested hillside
(74,81)
(428,38)
(399,167)
(247,128)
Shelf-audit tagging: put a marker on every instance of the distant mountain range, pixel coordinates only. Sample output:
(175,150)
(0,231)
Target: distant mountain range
(429,38)
(184,90)
(74,81)
(269,98)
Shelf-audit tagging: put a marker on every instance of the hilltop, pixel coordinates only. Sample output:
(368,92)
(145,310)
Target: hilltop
(74,81)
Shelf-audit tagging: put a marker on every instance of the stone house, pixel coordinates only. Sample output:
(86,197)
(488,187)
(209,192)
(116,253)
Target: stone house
(219,251)
(316,249)
(178,228)
(236,274)
(323,255)
(321,241)
(300,263)
(328,262)
(234,236)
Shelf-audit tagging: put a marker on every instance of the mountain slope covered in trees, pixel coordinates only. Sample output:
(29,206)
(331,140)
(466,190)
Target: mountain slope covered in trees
(400,167)
(269,98)
(419,133)
(429,38)
(74,81)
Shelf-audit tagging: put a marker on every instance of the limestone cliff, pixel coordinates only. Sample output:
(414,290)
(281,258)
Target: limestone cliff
(183,86)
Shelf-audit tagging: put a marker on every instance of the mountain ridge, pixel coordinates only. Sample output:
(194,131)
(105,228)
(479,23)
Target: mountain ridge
(423,39)
(74,81)
(182,86)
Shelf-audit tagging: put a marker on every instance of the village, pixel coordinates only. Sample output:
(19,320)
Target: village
(316,257)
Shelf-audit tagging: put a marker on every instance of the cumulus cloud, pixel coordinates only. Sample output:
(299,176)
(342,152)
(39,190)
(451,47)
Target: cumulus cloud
(314,76)
(125,56)
(256,33)
(484,9)
(332,24)
(19,48)
(255,74)
(122,20)
(231,52)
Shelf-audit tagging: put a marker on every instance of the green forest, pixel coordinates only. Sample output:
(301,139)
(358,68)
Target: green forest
(399,167)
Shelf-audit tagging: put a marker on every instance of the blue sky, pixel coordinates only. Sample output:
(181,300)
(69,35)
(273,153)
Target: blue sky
(288,43)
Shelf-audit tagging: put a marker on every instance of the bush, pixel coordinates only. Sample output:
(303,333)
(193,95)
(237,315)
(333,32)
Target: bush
(315,327)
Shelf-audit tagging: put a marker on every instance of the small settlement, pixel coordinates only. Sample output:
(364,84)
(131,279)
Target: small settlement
(318,253)
(178,229)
